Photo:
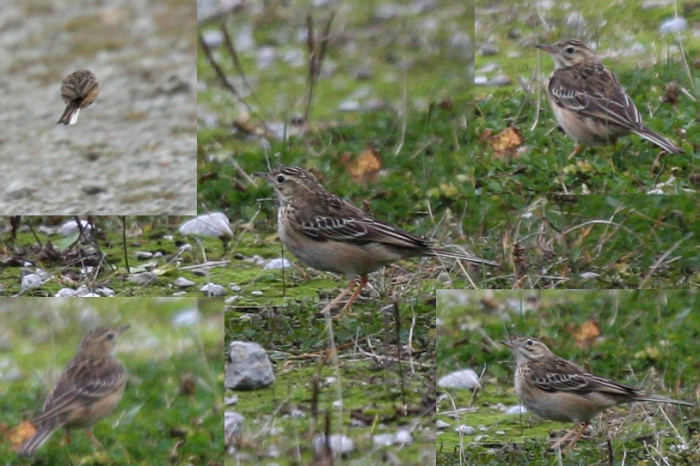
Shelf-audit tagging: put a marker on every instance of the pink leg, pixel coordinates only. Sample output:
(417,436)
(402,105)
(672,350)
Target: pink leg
(580,432)
(332,304)
(576,150)
(363,282)
(571,432)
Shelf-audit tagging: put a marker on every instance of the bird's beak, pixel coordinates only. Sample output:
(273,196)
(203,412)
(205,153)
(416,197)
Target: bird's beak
(264,175)
(123,327)
(546,47)
(507,343)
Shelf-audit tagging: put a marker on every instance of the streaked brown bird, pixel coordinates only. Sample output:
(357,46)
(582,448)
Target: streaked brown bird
(88,390)
(589,102)
(558,390)
(328,233)
(79,90)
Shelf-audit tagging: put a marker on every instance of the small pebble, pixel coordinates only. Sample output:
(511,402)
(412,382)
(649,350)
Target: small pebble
(31,281)
(466,379)
(339,443)
(182,282)
(213,290)
(673,25)
(441,424)
(277,264)
(516,410)
(143,278)
(465,430)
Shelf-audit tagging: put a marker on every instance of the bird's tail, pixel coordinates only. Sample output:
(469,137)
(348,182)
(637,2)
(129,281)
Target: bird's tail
(659,140)
(661,399)
(30,447)
(70,115)
(463,256)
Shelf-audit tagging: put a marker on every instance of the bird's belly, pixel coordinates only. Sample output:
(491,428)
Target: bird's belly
(586,130)
(566,406)
(332,256)
(92,412)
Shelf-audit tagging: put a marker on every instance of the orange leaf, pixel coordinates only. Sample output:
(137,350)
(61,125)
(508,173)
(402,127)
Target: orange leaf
(20,434)
(586,334)
(507,141)
(365,168)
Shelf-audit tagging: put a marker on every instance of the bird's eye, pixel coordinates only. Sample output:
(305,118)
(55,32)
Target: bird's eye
(110,336)
(280,178)
(530,343)
(570,50)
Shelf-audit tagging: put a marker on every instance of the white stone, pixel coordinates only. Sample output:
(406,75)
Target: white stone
(465,378)
(277,264)
(516,410)
(339,444)
(441,424)
(213,224)
(673,25)
(465,430)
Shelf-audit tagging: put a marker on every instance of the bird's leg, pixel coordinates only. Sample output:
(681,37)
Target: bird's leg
(580,433)
(576,150)
(363,282)
(329,306)
(66,436)
(336,300)
(561,441)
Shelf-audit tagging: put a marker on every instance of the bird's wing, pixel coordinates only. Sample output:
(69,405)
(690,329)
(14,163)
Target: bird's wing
(565,376)
(555,382)
(339,220)
(71,392)
(595,92)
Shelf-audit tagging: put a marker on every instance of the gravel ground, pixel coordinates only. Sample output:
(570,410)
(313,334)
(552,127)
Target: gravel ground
(134,150)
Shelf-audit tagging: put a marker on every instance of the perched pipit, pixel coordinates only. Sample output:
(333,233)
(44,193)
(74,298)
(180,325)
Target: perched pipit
(556,389)
(328,233)
(589,102)
(88,390)
(79,90)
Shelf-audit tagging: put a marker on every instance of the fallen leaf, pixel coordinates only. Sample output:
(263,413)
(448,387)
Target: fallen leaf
(586,334)
(506,142)
(20,434)
(364,168)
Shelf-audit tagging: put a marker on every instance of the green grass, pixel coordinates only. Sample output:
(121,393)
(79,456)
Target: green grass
(66,261)
(400,63)
(590,241)
(431,149)
(646,340)
(366,376)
